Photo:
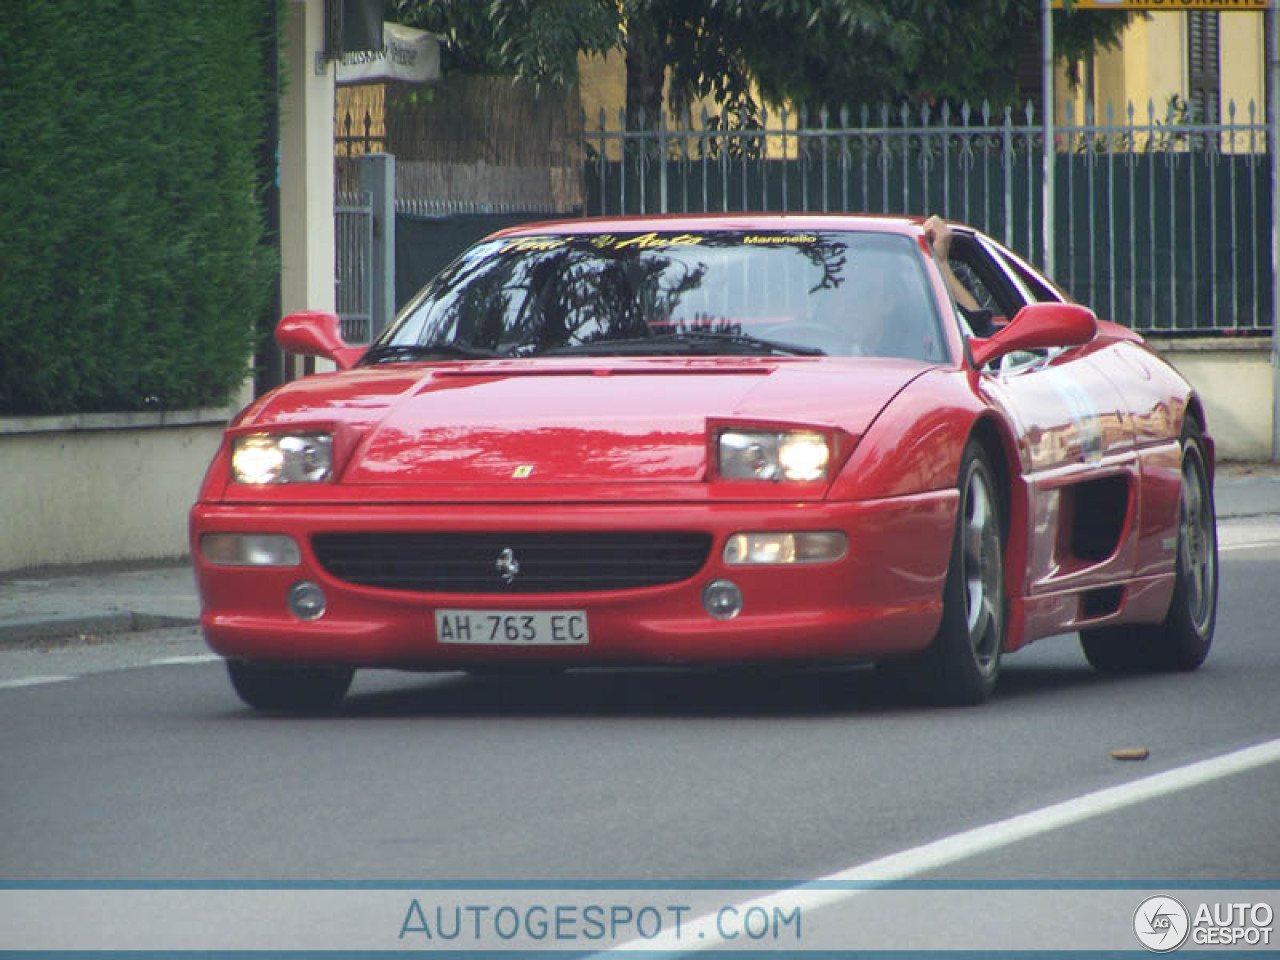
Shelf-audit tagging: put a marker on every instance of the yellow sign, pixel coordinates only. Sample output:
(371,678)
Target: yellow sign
(1165,4)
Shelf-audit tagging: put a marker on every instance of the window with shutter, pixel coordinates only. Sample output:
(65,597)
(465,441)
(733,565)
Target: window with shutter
(1204,79)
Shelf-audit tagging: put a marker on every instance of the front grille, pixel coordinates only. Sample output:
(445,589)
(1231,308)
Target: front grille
(548,562)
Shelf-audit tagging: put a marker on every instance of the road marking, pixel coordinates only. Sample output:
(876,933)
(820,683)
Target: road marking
(178,661)
(1248,534)
(33,681)
(703,933)
(62,678)
(1256,545)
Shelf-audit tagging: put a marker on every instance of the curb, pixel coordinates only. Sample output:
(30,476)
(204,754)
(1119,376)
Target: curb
(64,626)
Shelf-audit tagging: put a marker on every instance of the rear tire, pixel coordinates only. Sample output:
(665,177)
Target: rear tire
(961,667)
(1182,640)
(289,688)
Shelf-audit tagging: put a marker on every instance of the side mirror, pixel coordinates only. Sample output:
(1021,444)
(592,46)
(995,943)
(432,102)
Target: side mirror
(314,333)
(1037,326)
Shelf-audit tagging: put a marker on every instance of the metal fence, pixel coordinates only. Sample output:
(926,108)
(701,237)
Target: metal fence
(353,248)
(1160,222)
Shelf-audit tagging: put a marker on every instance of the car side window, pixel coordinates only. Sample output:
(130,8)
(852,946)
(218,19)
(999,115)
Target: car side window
(1036,287)
(970,278)
(985,277)
(1000,287)
(1038,290)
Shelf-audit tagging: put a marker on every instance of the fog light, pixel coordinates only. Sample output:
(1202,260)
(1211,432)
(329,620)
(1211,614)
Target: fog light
(809,546)
(250,549)
(306,600)
(722,599)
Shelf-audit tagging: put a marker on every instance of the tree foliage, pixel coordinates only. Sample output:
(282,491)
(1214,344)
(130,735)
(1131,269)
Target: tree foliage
(131,271)
(536,40)
(746,53)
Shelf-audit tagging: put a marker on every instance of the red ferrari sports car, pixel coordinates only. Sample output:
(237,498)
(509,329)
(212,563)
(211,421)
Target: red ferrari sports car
(712,440)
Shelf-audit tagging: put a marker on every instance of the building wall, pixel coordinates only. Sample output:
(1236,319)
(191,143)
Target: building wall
(602,85)
(1151,66)
(1243,55)
(306,163)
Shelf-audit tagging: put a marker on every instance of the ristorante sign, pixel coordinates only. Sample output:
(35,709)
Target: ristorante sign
(1163,4)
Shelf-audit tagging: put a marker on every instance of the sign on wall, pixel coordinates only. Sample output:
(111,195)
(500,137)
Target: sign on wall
(1165,4)
(407,55)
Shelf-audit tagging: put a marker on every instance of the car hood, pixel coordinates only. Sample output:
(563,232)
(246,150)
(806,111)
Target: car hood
(520,422)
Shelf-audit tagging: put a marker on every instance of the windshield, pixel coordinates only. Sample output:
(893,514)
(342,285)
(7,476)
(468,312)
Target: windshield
(704,293)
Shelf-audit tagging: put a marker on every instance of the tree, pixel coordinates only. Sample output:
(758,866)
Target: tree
(536,40)
(132,268)
(745,53)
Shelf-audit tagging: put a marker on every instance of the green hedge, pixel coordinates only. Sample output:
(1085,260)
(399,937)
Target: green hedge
(132,264)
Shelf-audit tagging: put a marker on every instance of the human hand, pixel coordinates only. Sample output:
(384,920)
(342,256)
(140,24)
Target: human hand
(938,234)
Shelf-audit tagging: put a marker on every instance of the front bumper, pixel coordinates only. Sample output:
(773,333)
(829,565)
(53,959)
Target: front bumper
(883,598)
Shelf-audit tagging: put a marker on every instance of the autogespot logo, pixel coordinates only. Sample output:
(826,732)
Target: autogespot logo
(1161,924)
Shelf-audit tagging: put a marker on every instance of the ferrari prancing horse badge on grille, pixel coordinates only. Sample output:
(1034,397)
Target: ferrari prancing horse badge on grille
(507,565)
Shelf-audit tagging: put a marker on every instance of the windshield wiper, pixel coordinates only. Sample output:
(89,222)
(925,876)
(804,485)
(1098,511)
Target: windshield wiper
(396,352)
(698,342)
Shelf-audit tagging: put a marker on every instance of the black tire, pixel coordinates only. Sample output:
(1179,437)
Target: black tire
(961,666)
(289,688)
(1182,640)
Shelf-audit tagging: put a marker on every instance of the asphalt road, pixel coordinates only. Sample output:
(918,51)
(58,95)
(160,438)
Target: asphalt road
(132,759)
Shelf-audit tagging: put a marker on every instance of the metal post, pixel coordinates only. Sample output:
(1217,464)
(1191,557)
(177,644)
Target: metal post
(1046,87)
(662,161)
(1273,136)
(377,173)
(269,359)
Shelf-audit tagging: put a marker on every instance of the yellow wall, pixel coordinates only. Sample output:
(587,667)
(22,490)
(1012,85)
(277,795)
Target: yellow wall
(1244,75)
(602,83)
(1151,65)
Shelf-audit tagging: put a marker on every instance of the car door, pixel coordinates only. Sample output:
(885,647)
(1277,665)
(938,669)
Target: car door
(1075,438)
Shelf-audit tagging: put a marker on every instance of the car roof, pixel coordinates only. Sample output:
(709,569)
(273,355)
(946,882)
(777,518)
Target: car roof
(880,223)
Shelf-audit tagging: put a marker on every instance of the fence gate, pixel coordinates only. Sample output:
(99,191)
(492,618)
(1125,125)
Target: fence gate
(353,241)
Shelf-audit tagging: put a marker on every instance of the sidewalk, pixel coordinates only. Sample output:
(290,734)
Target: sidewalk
(98,599)
(119,599)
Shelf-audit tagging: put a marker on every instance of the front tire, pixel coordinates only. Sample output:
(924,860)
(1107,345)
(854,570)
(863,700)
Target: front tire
(289,688)
(1182,640)
(961,667)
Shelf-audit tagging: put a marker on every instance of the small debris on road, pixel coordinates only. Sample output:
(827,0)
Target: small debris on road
(1130,753)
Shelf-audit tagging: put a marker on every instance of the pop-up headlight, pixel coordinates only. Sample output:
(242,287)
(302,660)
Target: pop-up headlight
(795,455)
(264,458)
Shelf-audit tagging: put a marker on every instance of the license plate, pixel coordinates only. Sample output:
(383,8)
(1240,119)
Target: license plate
(512,628)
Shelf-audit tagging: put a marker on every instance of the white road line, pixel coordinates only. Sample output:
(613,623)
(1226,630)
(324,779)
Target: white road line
(178,661)
(1255,545)
(62,678)
(1251,534)
(703,933)
(33,681)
